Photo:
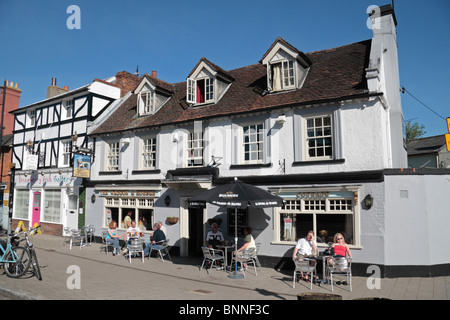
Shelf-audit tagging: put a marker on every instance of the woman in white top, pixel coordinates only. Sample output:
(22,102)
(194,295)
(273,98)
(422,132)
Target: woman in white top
(249,242)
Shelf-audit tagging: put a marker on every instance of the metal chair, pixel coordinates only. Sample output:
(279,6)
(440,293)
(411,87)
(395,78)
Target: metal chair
(340,266)
(304,265)
(76,237)
(105,244)
(67,234)
(212,255)
(88,231)
(247,256)
(134,247)
(160,247)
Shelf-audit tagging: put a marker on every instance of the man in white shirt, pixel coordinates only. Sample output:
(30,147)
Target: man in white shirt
(214,237)
(133,231)
(305,246)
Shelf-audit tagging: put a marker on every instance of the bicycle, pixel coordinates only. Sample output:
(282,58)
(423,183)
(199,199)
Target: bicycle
(15,259)
(32,252)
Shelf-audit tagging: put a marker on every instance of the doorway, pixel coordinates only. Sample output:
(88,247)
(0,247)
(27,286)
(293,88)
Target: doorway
(195,241)
(36,215)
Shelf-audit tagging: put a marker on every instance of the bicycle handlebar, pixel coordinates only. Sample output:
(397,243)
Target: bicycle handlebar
(31,231)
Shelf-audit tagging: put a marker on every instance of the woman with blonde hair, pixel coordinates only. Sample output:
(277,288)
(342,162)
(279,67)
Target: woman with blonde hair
(340,247)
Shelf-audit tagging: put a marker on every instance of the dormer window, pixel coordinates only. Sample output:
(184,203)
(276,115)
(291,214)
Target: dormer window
(200,90)
(152,93)
(146,103)
(286,66)
(283,75)
(206,83)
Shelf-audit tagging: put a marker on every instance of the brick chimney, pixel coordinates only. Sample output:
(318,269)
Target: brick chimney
(12,97)
(53,90)
(154,74)
(127,82)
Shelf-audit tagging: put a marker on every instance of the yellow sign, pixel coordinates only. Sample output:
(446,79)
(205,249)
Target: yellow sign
(448,124)
(447,140)
(37,225)
(20,226)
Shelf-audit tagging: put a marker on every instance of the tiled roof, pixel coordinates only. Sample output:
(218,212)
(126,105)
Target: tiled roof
(425,145)
(334,74)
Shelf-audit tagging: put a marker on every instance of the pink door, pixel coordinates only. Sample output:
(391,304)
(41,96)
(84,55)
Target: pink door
(36,218)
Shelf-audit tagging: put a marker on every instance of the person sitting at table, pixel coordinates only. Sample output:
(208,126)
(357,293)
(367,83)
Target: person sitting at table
(162,227)
(305,248)
(133,231)
(214,237)
(112,237)
(340,247)
(249,243)
(156,238)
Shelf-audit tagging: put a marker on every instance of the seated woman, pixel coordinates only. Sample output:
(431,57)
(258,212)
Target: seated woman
(341,248)
(249,243)
(112,237)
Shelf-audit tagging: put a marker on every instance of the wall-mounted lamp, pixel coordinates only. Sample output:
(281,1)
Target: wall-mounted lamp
(93,198)
(167,200)
(281,119)
(42,173)
(368,201)
(60,172)
(126,140)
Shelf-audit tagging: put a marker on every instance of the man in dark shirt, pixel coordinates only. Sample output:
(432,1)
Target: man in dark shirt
(157,236)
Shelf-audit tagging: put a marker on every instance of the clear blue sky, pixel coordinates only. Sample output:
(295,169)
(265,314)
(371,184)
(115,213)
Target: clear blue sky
(171,36)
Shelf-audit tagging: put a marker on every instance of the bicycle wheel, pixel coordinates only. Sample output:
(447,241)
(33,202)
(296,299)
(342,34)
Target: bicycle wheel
(35,264)
(21,256)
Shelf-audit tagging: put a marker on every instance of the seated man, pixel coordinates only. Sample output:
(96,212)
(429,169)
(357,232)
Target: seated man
(157,236)
(214,237)
(132,231)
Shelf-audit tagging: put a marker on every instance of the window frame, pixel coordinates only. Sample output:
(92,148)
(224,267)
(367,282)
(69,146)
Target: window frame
(194,144)
(209,88)
(146,102)
(152,152)
(112,152)
(307,139)
(284,74)
(297,206)
(260,144)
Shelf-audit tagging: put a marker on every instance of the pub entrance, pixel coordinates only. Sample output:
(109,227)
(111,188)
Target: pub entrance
(195,241)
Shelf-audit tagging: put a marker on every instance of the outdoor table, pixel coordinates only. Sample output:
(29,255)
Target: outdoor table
(323,258)
(225,247)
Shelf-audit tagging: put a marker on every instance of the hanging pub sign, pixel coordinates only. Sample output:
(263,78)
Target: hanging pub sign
(81,166)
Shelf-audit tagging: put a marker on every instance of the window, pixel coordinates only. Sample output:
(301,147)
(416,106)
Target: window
(195,149)
(68,105)
(148,154)
(319,138)
(146,102)
(325,216)
(113,156)
(253,143)
(283,76)
(66,153)
(32,116)
(52,205)
(21,204)
(140,210)
(200,90)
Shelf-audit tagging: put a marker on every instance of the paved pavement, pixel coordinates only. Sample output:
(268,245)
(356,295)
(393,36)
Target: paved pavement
(89,274)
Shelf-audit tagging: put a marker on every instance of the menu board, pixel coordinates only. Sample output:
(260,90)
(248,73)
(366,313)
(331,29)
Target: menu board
(242,221)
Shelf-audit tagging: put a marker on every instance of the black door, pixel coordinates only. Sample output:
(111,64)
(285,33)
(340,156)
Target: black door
(195,231)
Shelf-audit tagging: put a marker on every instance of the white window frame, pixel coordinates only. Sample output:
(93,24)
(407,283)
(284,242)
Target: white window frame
(52,213)
(287,75)
(346,205)
(32,116)
(209,90)
(195,149)
(68,106)
(315,134)
(255,142)
(112,156)
(148,153)
(66,152)
(146,102)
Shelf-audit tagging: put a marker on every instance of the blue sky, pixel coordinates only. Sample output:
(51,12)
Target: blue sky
(171,36)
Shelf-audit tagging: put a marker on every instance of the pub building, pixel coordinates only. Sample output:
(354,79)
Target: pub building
(323,130)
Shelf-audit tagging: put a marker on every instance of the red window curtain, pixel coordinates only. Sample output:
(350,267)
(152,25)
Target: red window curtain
(200,91)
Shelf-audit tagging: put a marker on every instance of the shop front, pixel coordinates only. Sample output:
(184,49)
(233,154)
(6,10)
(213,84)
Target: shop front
(50,199)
